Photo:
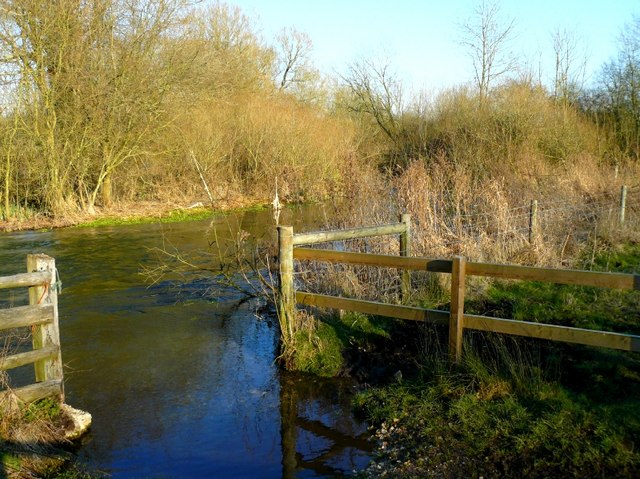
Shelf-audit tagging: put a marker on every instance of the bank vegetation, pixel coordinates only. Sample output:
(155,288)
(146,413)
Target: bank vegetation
(109,104)
(112,102)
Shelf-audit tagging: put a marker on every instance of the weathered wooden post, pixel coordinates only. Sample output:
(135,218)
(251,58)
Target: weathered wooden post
(286,290)
(533,221)
(623,203)
(46,335)
(405,250)
(456,318)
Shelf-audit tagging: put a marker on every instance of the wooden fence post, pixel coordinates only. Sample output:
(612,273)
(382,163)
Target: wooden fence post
(405,250)
(533,221)
(456,318)
(286,290)
(46,335)
(623,204)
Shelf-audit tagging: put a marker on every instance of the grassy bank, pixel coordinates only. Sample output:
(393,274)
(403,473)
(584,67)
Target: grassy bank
(513,407)
(521,408)
(128,214)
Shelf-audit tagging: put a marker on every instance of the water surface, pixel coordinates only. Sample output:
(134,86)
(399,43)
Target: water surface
(180,375)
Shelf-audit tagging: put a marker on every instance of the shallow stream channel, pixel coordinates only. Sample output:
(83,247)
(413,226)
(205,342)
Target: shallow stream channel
(180,375)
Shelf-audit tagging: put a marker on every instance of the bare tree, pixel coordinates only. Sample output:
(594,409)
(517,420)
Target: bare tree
(375,92)
(619,92)
(228,55)
(89,86)
(292,62)
(487,38)
(293,70)
(570,66)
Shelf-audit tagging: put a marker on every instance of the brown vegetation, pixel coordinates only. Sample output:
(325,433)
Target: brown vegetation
(108,99)
(115,104)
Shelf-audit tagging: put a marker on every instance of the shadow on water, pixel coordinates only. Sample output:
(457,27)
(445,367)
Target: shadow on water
(180,383)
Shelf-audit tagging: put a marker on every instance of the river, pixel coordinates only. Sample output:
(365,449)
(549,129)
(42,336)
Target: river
(183,384)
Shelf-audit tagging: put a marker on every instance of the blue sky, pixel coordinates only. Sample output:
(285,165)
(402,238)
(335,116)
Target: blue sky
(421,39)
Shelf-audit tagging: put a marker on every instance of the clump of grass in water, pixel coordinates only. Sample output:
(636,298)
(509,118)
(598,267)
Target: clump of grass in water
(26,431)
(318,349)
(321,343)
(32,442)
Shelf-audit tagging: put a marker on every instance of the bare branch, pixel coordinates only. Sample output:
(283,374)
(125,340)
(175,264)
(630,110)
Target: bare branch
(487,38)
(376,92)
(292,63)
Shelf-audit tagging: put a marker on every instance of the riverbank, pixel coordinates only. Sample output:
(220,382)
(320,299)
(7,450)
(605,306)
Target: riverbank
(493,394)
(138,212)
(518,407)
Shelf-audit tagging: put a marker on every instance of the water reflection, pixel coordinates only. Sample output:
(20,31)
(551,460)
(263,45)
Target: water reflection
(181,384)
(318,438)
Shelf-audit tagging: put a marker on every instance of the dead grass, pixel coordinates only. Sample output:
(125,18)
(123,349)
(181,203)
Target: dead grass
(471,192)
(32,436)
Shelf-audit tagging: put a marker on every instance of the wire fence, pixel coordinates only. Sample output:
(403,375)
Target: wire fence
(543,223)
(538,233)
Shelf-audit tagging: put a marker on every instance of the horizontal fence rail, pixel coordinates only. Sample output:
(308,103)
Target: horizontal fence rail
(560,276)
(340,235)
(502,271)
(367,259)
(41,315)
(40,390)
(456,318)
(29,357)
(25,280)
(372,307)
(24,316)
(588,337)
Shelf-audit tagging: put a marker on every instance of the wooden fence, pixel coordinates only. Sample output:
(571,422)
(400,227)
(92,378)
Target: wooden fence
(41,315)
(287,240)
(459,269)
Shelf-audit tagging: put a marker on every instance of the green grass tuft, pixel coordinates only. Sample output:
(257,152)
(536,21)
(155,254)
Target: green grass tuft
(9,461)
(47,409)
(321,347)
(175,216)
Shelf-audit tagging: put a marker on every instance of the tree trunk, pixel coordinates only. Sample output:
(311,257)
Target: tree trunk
(107,191)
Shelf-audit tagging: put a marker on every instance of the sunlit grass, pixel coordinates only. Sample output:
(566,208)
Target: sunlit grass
(321,344)
(522,407)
